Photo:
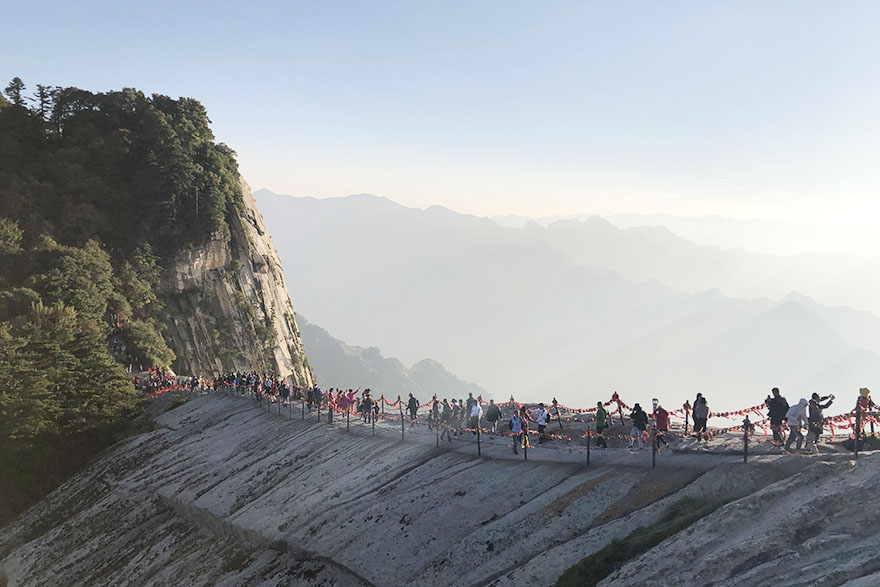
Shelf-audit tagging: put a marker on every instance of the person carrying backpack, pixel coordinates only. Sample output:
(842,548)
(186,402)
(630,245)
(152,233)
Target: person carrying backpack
(640,424)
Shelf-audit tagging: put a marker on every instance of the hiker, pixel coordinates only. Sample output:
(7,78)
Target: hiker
(525,418)
(863,404)
(640,424)
(367,407)
(777,409)
(687,408)
(413,406)
(446,421)
(661,424)
(701,417)
(796,417)
(601,425)
(434,420)
(456,416)
(476,414)
(471,402)
(493,415)
(543,418)
(615,398)
(516,428)
(816,420)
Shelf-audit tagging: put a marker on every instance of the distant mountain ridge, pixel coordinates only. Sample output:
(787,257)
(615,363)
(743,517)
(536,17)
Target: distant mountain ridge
(343,366)
(542,312)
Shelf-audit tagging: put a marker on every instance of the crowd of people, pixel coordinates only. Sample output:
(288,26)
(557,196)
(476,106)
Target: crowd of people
(797,427)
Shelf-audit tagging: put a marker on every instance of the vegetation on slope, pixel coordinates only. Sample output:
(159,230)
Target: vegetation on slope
(591,570)
(97,191)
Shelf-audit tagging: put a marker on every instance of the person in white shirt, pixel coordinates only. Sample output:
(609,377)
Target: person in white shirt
(476,414)
(543,420)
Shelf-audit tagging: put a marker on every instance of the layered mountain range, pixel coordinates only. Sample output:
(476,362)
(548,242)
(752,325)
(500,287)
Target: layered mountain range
(576,310)
(342,366)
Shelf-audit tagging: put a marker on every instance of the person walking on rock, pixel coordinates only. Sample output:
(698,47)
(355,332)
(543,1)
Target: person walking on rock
(640,423)
(446,421)
(701,417)
(516,428)
(493,415)
(471,402)
(661,422)
(476,415)
(413,406)
(525,418)
(777,409)
(367,407)
(796,418)
(434,419)
(456,416)
(816,420)
(601,425)
(543,418)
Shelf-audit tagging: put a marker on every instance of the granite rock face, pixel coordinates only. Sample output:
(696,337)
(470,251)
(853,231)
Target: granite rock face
(227,306)
(224,493)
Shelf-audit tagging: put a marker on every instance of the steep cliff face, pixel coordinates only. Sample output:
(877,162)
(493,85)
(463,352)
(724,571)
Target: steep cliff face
(227,306)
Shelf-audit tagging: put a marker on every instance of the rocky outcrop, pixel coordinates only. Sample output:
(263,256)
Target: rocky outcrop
(227,306)
(223,493)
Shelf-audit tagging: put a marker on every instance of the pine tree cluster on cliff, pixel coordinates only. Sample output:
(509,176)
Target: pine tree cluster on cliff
(97,191)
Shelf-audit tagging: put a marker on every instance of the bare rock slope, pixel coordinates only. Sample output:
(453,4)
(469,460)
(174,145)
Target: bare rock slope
(223,493)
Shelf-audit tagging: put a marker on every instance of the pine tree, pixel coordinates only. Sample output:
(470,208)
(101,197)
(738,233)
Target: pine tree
(15,91)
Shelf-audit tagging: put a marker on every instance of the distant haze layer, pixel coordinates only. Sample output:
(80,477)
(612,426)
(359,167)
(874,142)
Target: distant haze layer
(576,310)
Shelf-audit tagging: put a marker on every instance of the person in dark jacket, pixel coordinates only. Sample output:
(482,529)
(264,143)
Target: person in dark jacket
(413,406)
(816,420)
(640,423)
(777,408)
(601,425)
(493,416)
(446,421)
(701,418)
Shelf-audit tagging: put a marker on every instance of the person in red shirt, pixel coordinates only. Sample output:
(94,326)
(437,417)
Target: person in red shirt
(661,421)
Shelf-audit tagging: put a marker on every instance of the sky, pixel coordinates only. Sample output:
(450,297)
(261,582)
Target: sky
(744,109)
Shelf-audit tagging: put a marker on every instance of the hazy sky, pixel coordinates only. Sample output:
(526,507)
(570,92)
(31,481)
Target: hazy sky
(764,109)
